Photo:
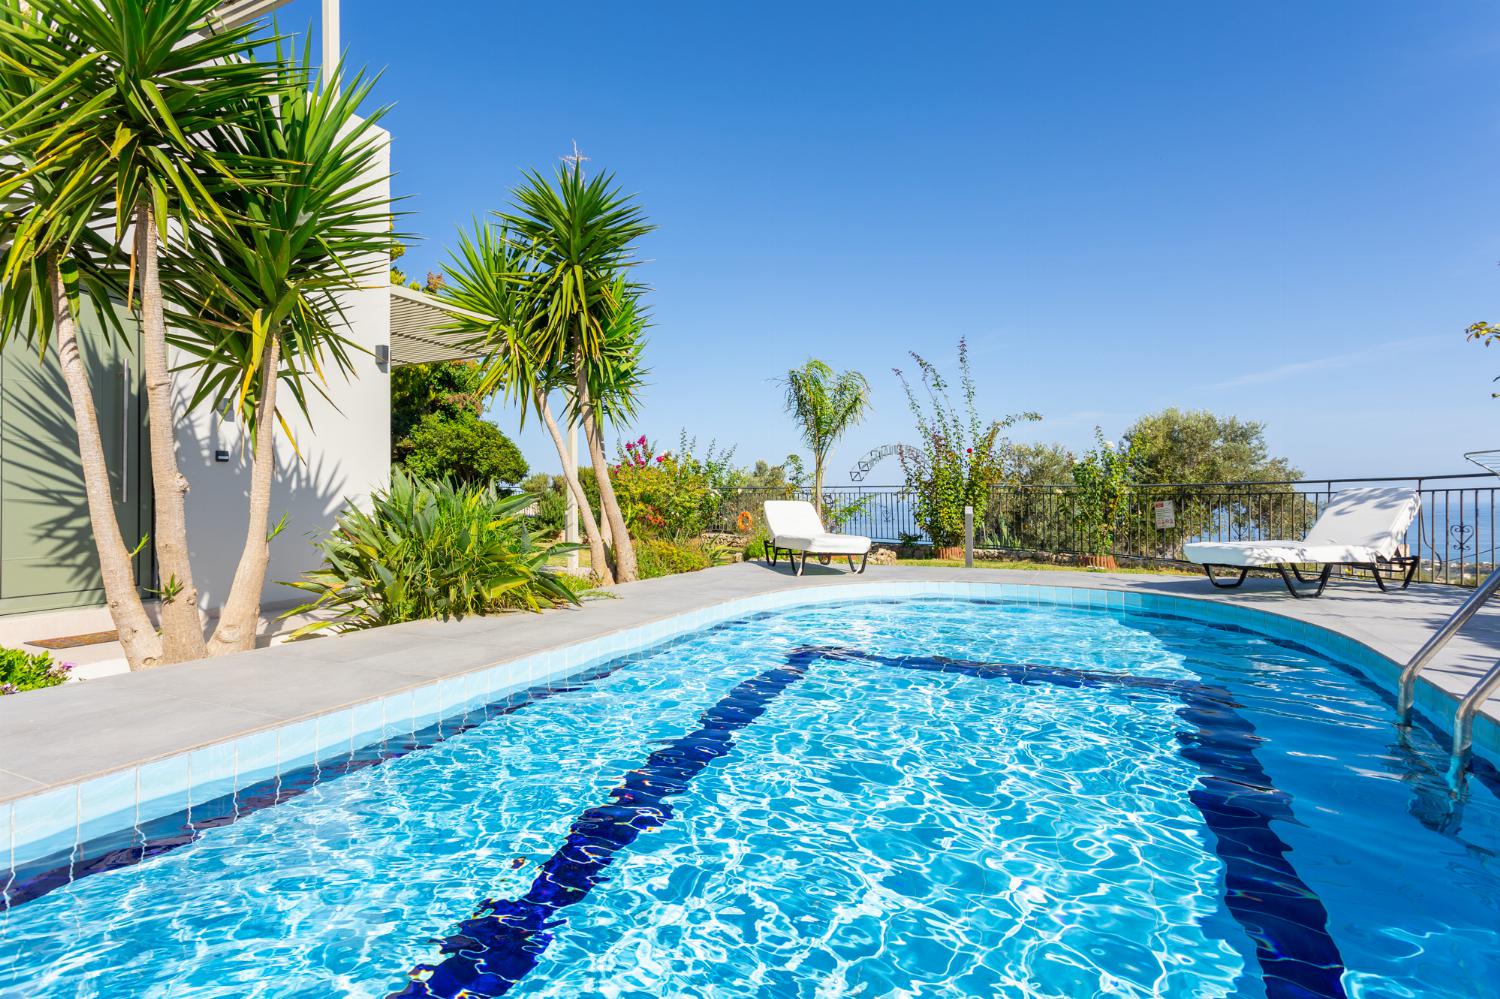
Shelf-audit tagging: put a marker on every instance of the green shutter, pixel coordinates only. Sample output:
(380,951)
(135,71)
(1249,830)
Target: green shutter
(47,554)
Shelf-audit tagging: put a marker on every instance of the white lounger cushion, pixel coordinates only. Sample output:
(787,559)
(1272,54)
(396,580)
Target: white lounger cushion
(825,544)
(1358,525)
(1273,553)
(795,524)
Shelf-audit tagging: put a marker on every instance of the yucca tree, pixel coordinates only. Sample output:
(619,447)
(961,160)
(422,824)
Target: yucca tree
(580,233)
(148,84)
(258,296)
(52,270)
(826,404)
(614,383)
(487,279)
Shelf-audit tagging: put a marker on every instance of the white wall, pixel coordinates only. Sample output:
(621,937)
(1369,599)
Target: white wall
(345,453)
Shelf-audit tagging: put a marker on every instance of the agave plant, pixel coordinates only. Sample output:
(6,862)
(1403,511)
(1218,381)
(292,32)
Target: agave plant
(430,548)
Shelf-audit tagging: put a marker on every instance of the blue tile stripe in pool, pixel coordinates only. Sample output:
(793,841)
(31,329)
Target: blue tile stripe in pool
(490,952)
(503,941)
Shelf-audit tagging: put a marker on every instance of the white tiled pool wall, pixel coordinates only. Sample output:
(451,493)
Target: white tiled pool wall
(54,820)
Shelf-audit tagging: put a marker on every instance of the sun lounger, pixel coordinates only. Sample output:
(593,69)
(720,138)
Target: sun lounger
(797,529)
(1360,528)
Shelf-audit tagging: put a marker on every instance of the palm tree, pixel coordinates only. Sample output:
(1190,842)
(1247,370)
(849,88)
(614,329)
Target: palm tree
(149,82)
(52,270)
(259,294)
(487,280)
(580,235)
(825,404)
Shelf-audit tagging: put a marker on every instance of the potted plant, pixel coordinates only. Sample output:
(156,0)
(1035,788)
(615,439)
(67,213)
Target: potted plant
(959,458)
(1102,480)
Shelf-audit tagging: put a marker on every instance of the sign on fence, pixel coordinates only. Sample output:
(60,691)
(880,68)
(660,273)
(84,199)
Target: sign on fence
(1166,515)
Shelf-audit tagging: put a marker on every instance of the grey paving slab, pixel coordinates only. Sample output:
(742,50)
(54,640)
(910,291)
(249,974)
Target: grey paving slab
(79,747)
(78,730)
(283,690)
(19,712)
(433,659)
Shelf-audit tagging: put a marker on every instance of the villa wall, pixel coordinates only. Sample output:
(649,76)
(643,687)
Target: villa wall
(345,453)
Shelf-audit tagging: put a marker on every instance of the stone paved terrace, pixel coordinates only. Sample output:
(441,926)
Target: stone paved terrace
(68,733)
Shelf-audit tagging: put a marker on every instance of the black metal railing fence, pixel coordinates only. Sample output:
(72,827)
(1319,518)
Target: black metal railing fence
(1453,538)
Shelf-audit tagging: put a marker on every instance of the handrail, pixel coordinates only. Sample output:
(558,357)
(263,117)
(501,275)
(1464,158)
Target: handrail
(1406,688)
(1468,707)
(1463,722)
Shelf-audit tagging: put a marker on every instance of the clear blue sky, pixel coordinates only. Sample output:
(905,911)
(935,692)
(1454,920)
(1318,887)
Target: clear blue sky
(1281,211)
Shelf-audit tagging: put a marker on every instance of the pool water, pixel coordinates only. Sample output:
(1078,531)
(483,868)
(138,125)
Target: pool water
(918,797)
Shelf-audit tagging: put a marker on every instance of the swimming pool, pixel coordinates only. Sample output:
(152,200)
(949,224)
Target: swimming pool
(906,796)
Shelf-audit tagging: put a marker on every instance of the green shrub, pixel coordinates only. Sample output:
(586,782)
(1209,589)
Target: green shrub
(756,548)
(551,495)
(719,552)
(579,585)
(442,388)
(660,557)
(430,548)
(1103,480)
(29,671)
(464,448)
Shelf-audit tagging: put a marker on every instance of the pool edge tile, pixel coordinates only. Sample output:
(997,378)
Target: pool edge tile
(45,823)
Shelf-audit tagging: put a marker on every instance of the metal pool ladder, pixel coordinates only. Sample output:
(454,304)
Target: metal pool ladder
(1468,707)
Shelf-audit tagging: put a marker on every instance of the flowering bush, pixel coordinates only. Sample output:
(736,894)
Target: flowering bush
(958,458)
(670,494)
(29,671)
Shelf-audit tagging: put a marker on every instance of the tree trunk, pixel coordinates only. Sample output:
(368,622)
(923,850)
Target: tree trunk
(590,433)
(625,568)
(181,624)
(609,535)
(240,618)
(597,560)
(137,634)
(818,484)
